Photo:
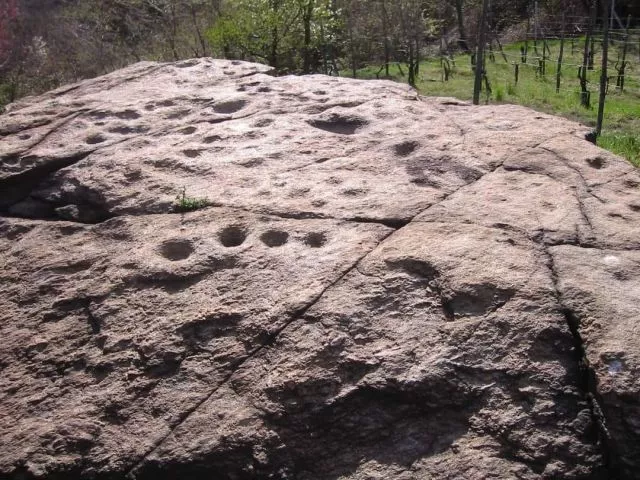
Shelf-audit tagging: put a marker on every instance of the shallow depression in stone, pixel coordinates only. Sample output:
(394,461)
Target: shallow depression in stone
(233,236)
(176,250)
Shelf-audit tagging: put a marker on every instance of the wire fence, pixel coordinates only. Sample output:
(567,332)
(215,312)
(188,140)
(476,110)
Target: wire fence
(572,64)
(587,56)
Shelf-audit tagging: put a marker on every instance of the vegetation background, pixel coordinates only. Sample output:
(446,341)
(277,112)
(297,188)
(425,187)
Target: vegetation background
(46,43)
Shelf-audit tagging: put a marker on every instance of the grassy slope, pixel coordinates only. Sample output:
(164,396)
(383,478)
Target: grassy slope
(621,131)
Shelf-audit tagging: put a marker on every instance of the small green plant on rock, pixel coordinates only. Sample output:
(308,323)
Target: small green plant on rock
(189,204)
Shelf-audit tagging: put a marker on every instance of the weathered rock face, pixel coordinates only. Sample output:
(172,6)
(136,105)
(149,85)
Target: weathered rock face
(382,286)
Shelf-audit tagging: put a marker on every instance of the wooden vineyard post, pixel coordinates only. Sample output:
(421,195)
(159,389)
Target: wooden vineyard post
(584,92)
(504,56)
(524,50)
(477,84)
(535,29)
(559,67)
(603,73)
(446,68)
(623,62)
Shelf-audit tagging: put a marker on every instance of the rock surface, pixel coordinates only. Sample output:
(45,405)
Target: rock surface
(379,285)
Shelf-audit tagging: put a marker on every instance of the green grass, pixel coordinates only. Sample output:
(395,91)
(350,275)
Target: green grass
(184,203)
(7,93)
(621,129)
(627,145)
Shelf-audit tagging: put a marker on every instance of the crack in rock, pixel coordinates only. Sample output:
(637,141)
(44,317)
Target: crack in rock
(587,380)
(268,342)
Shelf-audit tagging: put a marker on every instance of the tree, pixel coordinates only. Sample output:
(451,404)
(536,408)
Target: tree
(287,34)
(462,36)
(44,43)
(412,25)
(8,18)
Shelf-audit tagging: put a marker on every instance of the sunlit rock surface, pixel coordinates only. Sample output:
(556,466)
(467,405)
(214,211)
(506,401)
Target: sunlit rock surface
(381,286)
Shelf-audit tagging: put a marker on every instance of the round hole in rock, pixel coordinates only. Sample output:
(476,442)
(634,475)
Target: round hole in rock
(406,148)
(263,122)
(187,130)
(191,153)
(274,238)
(342,125)
(97,138)
(176,250)
(597,162)
(128,115)
(230,106)
(315,239)
(233,236)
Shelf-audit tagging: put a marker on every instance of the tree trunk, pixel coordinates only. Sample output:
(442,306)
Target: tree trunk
(201,40)
(354,64)
(412,67)
(275,38)
(173,33)
(462,42)
(306,18)
(385,32)
(273,55)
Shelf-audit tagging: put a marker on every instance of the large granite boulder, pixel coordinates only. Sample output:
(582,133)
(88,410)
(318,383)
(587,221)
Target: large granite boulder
(371,284)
